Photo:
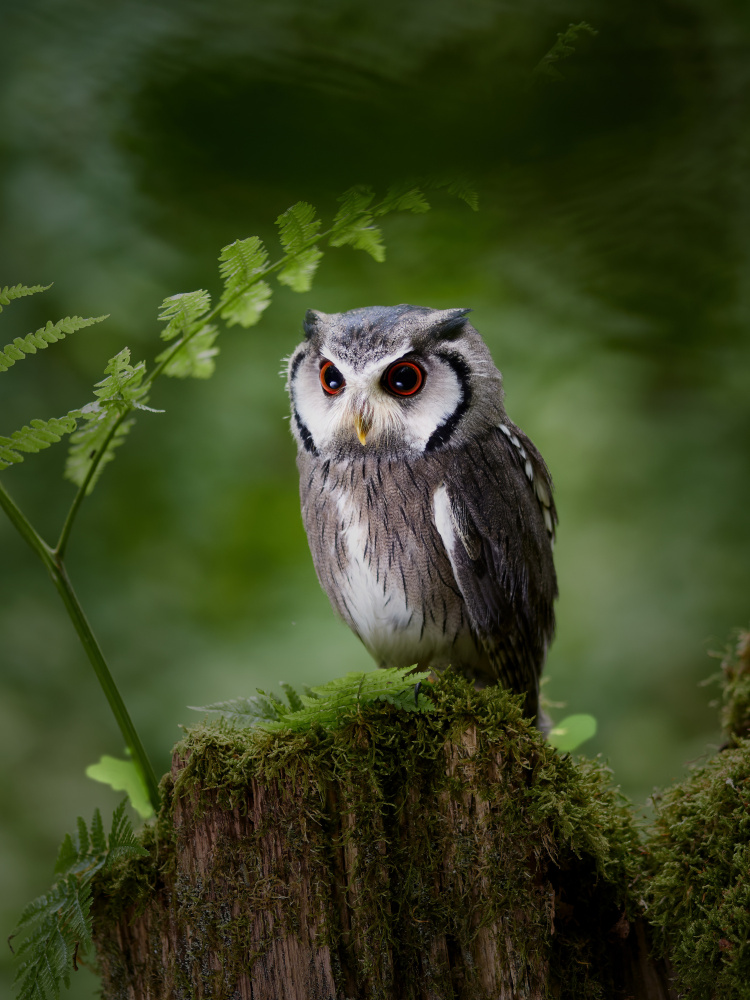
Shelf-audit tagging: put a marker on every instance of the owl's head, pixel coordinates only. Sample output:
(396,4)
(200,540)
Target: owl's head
(391,380)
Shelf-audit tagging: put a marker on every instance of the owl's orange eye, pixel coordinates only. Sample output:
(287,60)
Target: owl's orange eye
(404,378)
(331,378)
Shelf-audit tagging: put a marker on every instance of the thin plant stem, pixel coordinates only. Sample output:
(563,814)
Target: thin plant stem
(56,569)
(62,542)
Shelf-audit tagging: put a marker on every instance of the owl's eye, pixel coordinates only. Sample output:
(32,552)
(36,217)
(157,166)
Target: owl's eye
(331,378)
(404,378)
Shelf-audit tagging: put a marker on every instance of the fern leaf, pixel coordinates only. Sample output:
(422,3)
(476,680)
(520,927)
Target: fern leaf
(353,225)
(245,296)
(104,426)
(298,272)
(37,436)
(11,292)
(53,926)
(241,711)
(194,358)
(463,189)
(324,705)
(101,428)
(42,338)
(67,856)
(295,702)
(404,197)
(98,837)
(123,381)
(297,226)
(182,313)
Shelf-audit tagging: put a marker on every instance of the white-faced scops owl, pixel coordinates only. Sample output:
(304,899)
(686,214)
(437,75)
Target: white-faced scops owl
(428,512)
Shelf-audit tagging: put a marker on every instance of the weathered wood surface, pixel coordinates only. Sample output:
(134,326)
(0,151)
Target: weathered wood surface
(284,897)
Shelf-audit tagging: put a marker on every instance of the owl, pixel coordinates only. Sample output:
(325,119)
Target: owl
(429,514)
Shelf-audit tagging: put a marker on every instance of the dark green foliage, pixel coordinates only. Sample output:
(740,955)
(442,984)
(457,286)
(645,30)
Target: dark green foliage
(699,886)
(324,705)
(563,48)
(55,929)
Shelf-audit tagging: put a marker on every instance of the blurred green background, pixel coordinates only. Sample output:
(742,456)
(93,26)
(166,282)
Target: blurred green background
(607,269)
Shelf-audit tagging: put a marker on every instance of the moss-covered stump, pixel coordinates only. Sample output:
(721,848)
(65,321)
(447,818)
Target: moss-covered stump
(699,890)
(400,855)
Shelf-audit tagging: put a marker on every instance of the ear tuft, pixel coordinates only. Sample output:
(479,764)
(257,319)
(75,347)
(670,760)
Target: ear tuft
(450,324)
(312,322)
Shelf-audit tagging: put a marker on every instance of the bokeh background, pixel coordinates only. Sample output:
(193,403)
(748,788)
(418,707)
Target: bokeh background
(607,268)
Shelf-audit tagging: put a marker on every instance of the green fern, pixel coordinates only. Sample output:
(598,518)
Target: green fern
(298,227)
(43,337)
(36,437)
(11,292)
(563,48)
(245,296)
(353,224)
(105,427)
(56,928)
(324,705)
(193,354)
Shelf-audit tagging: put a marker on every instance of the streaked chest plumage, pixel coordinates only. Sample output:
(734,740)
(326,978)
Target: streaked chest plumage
(379,556)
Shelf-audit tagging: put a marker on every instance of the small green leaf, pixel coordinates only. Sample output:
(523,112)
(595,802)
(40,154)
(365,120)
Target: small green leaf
(123,776)
(572,732)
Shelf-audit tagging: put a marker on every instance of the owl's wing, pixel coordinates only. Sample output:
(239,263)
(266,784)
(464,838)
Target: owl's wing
(496,518)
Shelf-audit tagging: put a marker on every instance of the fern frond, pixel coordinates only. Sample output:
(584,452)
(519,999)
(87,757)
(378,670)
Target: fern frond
(11,292)
(37,436)
(123,381)
(324,705)
(104,426)
(297,227)
(245,296)
(101,428)
(241,712)
(404,197)
(42,338)
(353,224)
(194,358)
(54,925)
(182,313)
(295,701)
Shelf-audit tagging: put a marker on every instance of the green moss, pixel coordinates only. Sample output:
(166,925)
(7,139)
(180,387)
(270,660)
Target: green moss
(699,890)
(735,683)
(549,848)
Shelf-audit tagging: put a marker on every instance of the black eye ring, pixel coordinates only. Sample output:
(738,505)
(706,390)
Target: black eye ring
(404,378)
(331,379)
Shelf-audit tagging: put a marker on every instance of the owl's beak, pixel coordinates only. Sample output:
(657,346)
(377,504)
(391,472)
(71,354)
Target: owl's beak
(362,425)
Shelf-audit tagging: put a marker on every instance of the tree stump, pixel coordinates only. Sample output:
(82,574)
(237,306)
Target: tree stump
(398,856)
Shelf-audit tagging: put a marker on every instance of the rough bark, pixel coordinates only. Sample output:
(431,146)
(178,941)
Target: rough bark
(305,884)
